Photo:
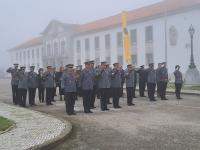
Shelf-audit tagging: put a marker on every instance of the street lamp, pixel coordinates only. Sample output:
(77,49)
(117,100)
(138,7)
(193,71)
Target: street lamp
(191,32)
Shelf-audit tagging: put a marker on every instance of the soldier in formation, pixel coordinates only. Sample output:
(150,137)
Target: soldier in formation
(104,81)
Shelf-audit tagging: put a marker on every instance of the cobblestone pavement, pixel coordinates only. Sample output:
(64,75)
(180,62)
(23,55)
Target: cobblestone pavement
(162,125)
(32,128)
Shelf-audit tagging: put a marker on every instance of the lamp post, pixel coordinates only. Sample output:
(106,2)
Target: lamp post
(192,76)
(191,32)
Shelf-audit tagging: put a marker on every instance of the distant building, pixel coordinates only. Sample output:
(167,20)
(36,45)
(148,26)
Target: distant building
(154,30)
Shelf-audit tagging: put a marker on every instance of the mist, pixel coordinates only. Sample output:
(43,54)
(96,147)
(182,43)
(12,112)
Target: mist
(22,20)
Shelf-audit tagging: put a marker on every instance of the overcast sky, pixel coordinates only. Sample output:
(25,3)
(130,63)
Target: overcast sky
(21,20)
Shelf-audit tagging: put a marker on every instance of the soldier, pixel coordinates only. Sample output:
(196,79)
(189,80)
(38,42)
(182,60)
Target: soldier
(49,85)
(163,80)
(122,81)
(94,91)
(151,81)
(55,83)
(142,80)
(130,82)
(68,84)
(14,82)
(58,76)
(158,79)
(41,85)
(109,90)
(32,85)
(135,81)
(22,86)
(178,81)
(104,84)
(116,83)
(78,72)
(87,84)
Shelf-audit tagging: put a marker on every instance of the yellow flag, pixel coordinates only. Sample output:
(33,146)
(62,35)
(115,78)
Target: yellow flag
(126,39)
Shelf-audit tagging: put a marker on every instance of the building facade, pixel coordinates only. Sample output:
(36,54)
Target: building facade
(158,32)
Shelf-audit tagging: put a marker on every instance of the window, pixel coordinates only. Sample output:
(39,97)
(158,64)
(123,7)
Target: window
(149,58)
(149,34)
(33,54)
(28,54)
(87,45)
(119,39)
(120,60)
(97,60)
(133,36)
(48,50)
(108,60)
(78,62)
(96,43)
(62,47)
(107,41)
(55,48)
(38,53)
(78,46)
(134,59)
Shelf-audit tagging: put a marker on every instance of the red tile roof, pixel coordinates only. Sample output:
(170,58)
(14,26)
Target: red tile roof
(33,42)
(140,13)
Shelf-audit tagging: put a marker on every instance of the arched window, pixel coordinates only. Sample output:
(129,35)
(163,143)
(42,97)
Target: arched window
(55,48)
(63,48)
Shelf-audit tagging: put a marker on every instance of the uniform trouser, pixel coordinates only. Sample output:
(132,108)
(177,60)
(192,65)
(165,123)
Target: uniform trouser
(178,87)
(41,94)
(116,96)
(159,89)
(163,87)
(15,94)
(129,91)
(69,102)
(93,96)
(22,96)
(49,95)
(104,97)
(142,86)
(151,90)
(87,94)
(31,94)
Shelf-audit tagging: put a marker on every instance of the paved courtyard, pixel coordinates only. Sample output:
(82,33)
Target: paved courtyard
(162,125)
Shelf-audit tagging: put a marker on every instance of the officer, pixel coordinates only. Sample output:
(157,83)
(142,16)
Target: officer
(87,84)
(116,83)
(78,72)
(135,81)
(41,85)
(32,85)
(109,69)
(130,82)
(151,81)
(22,86)
(14,82)
(104,84)
(49,85)
(158,79)
(178,81)
(163,80)
(142,80)
(122,81)
(94,91)
(68,84)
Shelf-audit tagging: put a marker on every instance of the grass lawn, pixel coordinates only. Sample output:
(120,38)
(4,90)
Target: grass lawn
(4,124)
(185,87)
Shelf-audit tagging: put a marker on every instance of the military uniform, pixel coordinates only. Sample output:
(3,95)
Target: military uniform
(14,82)
(49,85)
(130,83)
(32,85)
(104,84)
(116,84)
(158,80)
(87,84)
(163,82)
(151,82)
(41,85)
(68,84)
(178,82)
(142,80)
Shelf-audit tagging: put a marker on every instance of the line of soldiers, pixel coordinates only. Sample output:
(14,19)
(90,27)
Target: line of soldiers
(101,81)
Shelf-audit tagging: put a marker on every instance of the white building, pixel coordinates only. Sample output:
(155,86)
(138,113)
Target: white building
(159,32)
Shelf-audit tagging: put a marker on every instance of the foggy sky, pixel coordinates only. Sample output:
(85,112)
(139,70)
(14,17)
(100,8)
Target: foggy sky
(21,20)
